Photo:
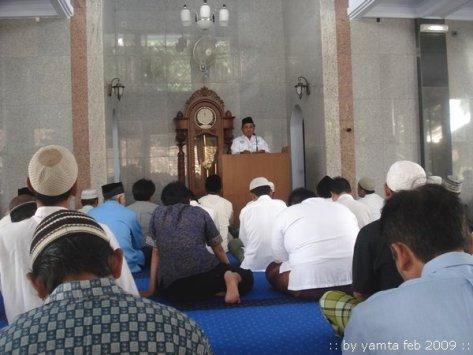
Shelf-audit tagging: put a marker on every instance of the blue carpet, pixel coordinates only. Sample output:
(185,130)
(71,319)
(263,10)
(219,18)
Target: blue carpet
(266,322)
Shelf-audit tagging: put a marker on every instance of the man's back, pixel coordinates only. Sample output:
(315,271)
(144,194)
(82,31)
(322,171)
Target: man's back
(144,210)
(256,224)
(223,209)
(361,211)
(375,203)
(125,226)
(15,262)
(97,317)
(317,237)
(373,264)
(435,308)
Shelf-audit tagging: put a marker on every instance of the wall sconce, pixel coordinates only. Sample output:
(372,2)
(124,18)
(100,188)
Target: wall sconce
(116,87)
(302,84)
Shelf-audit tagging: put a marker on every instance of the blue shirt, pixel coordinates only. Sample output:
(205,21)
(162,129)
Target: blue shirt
(98,317)
(124,224)
(431,311)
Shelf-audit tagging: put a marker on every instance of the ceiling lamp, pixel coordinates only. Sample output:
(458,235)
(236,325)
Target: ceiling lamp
(205,17)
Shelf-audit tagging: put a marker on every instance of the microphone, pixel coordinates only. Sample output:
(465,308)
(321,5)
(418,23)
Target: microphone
(256,137)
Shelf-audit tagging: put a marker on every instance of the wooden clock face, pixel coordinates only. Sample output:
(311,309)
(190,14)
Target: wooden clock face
(205,118)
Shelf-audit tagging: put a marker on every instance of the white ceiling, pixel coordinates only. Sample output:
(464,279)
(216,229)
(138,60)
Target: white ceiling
(436,9)
(36,8)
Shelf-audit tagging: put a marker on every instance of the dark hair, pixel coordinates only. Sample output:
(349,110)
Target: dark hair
(323,187)
(143,190)
(90,201)
(429,220)
(262,190)
(298,195)
(52,200)
(74,254)
(368,192)
(213,184)
(340,185)
(175,192)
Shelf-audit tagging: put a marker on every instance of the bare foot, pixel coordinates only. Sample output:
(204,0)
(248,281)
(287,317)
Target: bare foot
(232,279)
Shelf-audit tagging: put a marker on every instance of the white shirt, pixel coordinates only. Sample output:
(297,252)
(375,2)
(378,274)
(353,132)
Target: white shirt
(360,210)
(256,226)
(18,294)
(242,143)
(315,240)
(5,221)
(375,203)
(223,210)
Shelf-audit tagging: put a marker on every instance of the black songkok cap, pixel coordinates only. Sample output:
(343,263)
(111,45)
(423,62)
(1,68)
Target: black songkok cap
(113,189)
(247,120)
(24,191)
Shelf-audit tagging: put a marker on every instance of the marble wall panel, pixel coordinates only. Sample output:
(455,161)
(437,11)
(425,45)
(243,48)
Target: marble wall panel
(385,95)
(35,95)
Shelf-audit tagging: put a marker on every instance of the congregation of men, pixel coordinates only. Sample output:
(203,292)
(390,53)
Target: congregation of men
(326,246)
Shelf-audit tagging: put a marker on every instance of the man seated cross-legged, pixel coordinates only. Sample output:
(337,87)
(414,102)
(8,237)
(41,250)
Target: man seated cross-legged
(74,269)
(313,246)
(427,232)
(182,269)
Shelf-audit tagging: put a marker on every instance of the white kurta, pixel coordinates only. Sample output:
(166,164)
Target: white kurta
(5,221)
(256,225)
(375,203)
(15,239)
(256,143)
(223,210)
(360,210)
(315,239)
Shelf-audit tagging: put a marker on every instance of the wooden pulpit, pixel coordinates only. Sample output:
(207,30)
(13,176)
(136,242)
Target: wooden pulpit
(239,169)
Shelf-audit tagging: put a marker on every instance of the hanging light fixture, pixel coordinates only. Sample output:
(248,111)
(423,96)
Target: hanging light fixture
(205,18)
(302,84)
(116,87)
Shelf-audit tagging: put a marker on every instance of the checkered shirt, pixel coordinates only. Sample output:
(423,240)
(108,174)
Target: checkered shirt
(98,317)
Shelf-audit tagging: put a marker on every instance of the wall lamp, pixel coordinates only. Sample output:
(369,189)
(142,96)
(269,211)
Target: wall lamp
(116,87)
(302,84)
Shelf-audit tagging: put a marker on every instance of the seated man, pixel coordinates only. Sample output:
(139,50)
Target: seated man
(426,231)
(249,142)
(52,177)
(181,266)
(221,206)
(323,187)
(314,241)
(89,199)
(341,192)
(370,198)
(298,195)
(142,191)
(85,312)
(25,206)
(374,269)
(257,221)
(123,222)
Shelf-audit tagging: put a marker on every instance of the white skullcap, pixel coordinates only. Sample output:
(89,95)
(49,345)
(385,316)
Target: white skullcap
(366,183)
(52,170)
(89,194)
(405,175)
(433,179)
(258,182)
(272,187)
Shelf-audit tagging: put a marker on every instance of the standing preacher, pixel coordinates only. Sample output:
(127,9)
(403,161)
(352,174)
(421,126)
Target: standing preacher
(249,142)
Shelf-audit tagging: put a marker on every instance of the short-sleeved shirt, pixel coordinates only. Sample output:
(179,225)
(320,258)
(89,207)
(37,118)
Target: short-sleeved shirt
(374,268)
(98,317)
(181,233)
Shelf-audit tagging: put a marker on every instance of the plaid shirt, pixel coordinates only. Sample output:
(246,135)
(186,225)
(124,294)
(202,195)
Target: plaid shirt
(96,316)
